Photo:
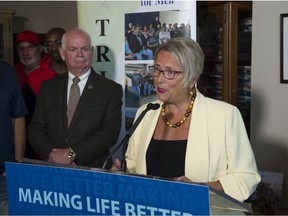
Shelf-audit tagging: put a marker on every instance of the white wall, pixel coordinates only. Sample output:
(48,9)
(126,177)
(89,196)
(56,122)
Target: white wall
(40,16)
(269,111)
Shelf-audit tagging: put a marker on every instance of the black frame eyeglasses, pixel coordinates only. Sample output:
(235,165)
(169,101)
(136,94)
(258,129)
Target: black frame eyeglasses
(57,43)
(169,74)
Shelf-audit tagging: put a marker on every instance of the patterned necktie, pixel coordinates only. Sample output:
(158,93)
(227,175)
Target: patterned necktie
(73,99)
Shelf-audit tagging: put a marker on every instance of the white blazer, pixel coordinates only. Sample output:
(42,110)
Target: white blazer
(218,147)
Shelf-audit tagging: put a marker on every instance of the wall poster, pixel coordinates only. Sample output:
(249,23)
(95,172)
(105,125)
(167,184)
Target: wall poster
(113,26)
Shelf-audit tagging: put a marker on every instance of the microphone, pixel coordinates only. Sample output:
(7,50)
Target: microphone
(124,141)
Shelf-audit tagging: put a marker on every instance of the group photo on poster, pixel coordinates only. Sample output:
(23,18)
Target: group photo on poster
(144,32)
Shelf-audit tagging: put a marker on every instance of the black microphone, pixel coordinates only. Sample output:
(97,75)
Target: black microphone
(124,141)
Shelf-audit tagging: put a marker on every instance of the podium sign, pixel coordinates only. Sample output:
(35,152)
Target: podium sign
(41,190)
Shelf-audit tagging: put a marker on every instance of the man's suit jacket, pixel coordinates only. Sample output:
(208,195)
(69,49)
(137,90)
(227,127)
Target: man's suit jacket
(135,45)
(218,147)
(94,128)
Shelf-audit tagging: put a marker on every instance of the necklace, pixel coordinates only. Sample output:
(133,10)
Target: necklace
(186,115)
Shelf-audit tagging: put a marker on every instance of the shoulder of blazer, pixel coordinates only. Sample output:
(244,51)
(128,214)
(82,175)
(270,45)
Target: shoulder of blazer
(97,77)
(94,75)
(55,79)
(215,106)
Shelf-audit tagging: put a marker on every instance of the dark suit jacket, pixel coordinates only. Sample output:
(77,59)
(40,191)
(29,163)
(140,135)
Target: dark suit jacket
(95,126)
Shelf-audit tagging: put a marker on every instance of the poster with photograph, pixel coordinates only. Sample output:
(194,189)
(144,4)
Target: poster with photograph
(126,35)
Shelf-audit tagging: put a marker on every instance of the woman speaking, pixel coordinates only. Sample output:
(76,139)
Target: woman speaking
(191,137)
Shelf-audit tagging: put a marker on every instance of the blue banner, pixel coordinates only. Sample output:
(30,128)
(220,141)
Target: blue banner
(39,190)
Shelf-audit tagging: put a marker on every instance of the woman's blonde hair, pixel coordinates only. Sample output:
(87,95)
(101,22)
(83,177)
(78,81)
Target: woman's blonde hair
(188,54)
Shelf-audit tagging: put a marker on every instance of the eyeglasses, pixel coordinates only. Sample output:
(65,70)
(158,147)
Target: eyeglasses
(167,73)
(57,43)
(28,48)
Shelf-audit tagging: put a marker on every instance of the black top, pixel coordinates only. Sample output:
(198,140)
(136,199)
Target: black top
(166,158)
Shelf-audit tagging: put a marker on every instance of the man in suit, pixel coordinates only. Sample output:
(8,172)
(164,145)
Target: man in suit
(96,123)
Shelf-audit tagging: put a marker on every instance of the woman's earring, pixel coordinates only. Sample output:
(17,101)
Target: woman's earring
(191,92)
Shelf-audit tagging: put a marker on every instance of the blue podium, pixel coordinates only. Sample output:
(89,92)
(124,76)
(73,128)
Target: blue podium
(43,188)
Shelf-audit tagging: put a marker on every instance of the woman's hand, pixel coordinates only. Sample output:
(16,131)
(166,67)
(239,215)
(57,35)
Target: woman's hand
(216,185)
(116,166)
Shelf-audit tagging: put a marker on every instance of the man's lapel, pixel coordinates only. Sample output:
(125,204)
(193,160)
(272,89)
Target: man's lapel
(62,86)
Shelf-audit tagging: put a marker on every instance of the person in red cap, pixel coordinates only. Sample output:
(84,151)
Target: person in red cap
(29,49)
(31,70)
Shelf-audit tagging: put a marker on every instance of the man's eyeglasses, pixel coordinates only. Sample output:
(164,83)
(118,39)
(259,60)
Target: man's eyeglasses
(57,43)
(28,48)
(167,73)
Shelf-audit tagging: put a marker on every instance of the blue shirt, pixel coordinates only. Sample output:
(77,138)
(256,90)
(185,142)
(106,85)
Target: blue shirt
(11,106)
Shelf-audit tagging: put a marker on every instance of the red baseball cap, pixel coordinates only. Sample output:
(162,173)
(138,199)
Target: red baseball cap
(28,36)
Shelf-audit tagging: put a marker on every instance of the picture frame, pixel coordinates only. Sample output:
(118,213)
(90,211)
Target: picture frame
(284,48)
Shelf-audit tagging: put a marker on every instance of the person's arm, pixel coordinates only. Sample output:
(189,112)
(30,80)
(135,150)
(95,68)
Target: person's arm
(160,37)
(37,129)
(129,75)
(242,175)
(127,48)
(232,166)
(20,137)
